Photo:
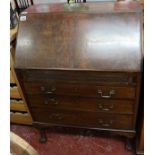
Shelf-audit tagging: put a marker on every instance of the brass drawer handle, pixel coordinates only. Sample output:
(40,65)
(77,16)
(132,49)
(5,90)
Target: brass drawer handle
(103,107)
(102,123)
(50,91)
(51,101)
(111,92)
(55,117)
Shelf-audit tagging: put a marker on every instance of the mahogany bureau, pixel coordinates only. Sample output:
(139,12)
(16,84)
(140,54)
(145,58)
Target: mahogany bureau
(80,65)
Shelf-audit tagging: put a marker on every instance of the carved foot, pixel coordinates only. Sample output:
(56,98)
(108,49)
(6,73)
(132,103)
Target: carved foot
(129,144)
(43,137)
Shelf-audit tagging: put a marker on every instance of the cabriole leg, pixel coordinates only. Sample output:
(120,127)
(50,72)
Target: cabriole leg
(43,137)
(129,143)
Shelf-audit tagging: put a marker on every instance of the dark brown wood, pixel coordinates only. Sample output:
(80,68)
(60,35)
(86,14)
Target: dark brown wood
(80,65)
(98,51)
(80,118)
(140,125)
(115,132)
(82,104)
(43,137)
(74,76)
(80,90)
(140,140)
(129,143)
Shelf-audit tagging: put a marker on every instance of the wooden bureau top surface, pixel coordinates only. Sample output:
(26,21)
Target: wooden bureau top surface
(90,36)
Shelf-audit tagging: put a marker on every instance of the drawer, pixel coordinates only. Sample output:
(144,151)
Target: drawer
(14,93)
(83,104)
(84,119)
(80,76)
(80,90)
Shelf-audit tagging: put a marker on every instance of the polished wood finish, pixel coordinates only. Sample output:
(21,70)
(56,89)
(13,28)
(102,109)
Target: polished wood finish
(82,104)
(74,76)
(80,65)
(100,91)
(80,118)
(98,50)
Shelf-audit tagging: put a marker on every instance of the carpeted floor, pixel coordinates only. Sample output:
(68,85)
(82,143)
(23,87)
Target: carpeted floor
(69,141)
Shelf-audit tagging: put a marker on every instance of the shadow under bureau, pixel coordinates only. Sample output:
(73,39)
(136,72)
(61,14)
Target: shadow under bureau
(80,65)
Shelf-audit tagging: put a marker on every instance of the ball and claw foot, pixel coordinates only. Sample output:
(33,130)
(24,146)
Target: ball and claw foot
(129,144)
(43,137)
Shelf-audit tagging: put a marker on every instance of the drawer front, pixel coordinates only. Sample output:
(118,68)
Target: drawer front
(104,92)
(83,104)
(79,76)
(84,119)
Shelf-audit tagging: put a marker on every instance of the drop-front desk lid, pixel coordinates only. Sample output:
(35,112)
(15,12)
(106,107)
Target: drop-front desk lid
(87,36)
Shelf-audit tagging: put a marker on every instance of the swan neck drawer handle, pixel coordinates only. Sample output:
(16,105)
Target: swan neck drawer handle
(103,107)
(102,123)
(55,117)
(51,101)
(47,91)
(111,93)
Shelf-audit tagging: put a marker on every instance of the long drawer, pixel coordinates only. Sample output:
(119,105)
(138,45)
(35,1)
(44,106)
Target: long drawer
(99,91)
(107,78)
(84,119)
(81,103)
